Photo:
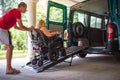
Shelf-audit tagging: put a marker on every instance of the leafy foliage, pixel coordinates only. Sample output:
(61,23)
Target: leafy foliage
(8,4)
(41,12)
(19,39)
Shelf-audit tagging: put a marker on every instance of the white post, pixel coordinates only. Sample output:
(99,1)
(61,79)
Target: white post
(31,16)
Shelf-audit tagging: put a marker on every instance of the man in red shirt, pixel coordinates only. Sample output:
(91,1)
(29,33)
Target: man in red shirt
(10,19)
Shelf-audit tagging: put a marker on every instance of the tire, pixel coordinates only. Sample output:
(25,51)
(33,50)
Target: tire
(78,29)
(63,52)
(83,54)
(40,63)
(34,61)
(53,55)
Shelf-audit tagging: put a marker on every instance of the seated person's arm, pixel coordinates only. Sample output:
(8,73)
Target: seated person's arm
(42,26)
(49,33)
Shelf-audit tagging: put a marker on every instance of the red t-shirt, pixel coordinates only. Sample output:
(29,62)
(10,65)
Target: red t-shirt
(9,19)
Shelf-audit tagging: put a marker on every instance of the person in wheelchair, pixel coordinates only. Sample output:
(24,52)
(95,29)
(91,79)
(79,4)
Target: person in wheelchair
(42,26)
(52,36)
(49,44)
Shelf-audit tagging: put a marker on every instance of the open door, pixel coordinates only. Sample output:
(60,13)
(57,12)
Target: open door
(56,17)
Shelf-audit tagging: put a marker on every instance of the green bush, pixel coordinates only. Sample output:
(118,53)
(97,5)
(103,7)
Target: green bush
(19,39)
(15,52)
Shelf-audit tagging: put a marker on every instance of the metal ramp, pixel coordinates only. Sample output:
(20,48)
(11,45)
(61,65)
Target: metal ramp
(71,51)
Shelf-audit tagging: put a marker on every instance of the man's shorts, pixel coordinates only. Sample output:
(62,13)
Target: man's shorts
(5,37)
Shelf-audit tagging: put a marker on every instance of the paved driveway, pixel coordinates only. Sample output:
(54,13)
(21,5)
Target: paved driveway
(93,67)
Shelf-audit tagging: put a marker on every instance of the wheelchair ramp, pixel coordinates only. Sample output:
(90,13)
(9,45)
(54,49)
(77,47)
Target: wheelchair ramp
(71,51)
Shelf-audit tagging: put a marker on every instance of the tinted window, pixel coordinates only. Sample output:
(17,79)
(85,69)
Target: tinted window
(80,17)
(105,24)
(95,22)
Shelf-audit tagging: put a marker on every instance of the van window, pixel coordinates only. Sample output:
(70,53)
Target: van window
(106,21)
(95,22)
(80,17)
(57,16)
(105,24)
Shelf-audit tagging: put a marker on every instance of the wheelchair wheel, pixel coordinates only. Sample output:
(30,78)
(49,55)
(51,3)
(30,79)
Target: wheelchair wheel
(34,61)
(40,63)
(63,52)
(53,55)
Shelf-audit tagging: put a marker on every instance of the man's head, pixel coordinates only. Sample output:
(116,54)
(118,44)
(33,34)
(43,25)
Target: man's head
(22,7)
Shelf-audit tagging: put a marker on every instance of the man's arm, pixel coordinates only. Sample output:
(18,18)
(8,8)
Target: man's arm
(22,27)
(16,27)
(47,32)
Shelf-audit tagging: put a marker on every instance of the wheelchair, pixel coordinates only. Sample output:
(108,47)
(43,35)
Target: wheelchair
(46,49)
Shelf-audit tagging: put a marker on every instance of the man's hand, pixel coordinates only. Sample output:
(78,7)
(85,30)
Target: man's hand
(31,28)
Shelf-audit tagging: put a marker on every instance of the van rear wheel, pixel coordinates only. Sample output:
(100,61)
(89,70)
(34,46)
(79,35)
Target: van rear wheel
(82,54)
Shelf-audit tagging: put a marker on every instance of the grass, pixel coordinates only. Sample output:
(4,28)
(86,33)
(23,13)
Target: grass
(16,53)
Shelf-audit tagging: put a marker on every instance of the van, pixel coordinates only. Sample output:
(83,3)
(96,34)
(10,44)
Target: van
(93,24)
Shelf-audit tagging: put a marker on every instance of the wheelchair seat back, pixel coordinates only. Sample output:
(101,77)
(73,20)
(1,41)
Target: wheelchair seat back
(37,36)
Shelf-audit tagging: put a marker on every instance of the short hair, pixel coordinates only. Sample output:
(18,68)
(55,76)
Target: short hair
(22,4)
